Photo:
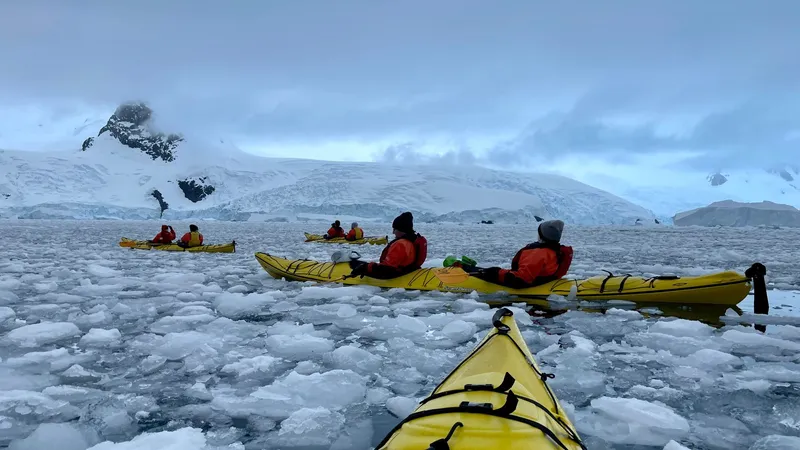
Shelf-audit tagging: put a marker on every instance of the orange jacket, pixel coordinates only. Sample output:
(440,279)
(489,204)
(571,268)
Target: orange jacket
(355,234)
(531,264)
(334,232)
(165,237)
(398,258)
(535,264)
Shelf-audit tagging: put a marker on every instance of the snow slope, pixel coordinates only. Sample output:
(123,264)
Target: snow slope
(112,180)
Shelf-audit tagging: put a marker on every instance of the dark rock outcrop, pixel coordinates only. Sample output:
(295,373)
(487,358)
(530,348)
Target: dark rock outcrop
(87,144)
(717,179)
(734,214)
(196,189)
(783,173)
(128,125)
(161,202)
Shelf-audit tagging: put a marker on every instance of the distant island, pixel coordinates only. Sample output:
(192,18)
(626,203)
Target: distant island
(729,213)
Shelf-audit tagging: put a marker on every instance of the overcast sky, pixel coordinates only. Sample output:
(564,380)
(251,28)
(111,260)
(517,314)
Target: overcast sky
(714,83)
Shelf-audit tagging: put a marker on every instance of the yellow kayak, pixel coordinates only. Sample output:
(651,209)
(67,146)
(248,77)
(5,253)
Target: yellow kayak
(374,240)
(496,398)
(721,288)
(146,245)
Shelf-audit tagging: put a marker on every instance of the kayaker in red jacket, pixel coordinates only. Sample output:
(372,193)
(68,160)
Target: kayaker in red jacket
(334,231)
(166,236)
(406,253)
(355,232)
(537,263)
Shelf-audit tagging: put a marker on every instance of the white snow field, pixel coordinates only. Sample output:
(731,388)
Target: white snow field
(112,349)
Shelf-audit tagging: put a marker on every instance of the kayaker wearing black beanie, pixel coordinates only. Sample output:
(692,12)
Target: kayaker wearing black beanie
(404,254)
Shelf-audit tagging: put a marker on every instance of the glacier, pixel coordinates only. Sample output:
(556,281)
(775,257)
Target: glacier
(106,179)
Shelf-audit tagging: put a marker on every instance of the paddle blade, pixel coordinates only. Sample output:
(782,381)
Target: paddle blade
(451,275)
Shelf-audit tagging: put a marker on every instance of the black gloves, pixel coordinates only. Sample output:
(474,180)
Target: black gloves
(359,268)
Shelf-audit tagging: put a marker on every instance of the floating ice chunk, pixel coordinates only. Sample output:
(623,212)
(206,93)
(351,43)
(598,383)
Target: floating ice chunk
(63,436)
(73,393)
(284,306)
(98,337)
(624,314)
(346,311)
(180,323)
(465,305)
(378,300)
(401,407)
(672,445)
(378,395)
(307,367)
(56,359)
(459,331)
(262,364)
(757,340)
(19,403)
(632,421)
(77,371)
(411,324)
(102,271)
(298,347)
(238,289)
(238,306)
(776,442)
(177,346)
(199,391)
(291,329)
(708,358)
(358,359)
(182,439)
(8,298)
(7,316)
(310,427)
(44,333)
(682,327)
(152,364)
(297,391)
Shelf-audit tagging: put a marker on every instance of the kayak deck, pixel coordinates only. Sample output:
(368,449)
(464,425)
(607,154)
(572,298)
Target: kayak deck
(229,247)
(372,240)
(721,288)
(497,398)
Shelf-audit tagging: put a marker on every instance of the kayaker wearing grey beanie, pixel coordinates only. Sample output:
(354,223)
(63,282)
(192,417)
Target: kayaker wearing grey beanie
(535,264)
(550,231)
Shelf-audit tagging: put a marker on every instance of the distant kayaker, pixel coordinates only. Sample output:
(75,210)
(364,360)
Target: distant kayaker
(537,263)
(166,236)
(193,238)
(355,232)
(334,231)
(404,254)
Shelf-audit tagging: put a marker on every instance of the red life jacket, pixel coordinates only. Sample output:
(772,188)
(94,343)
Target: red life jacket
(563,258)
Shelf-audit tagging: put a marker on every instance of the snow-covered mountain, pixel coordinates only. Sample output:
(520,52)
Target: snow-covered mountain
(687,191)
(128,171)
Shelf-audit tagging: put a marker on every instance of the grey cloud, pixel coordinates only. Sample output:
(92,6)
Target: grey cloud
(756,132)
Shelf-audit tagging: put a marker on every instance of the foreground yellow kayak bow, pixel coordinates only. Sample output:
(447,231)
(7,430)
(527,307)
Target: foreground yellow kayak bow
(496,398)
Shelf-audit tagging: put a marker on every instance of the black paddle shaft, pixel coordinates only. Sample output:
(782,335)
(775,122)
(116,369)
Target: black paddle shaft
(756,272)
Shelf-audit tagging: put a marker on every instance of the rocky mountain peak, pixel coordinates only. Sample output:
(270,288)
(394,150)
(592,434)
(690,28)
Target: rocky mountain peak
(130,126)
